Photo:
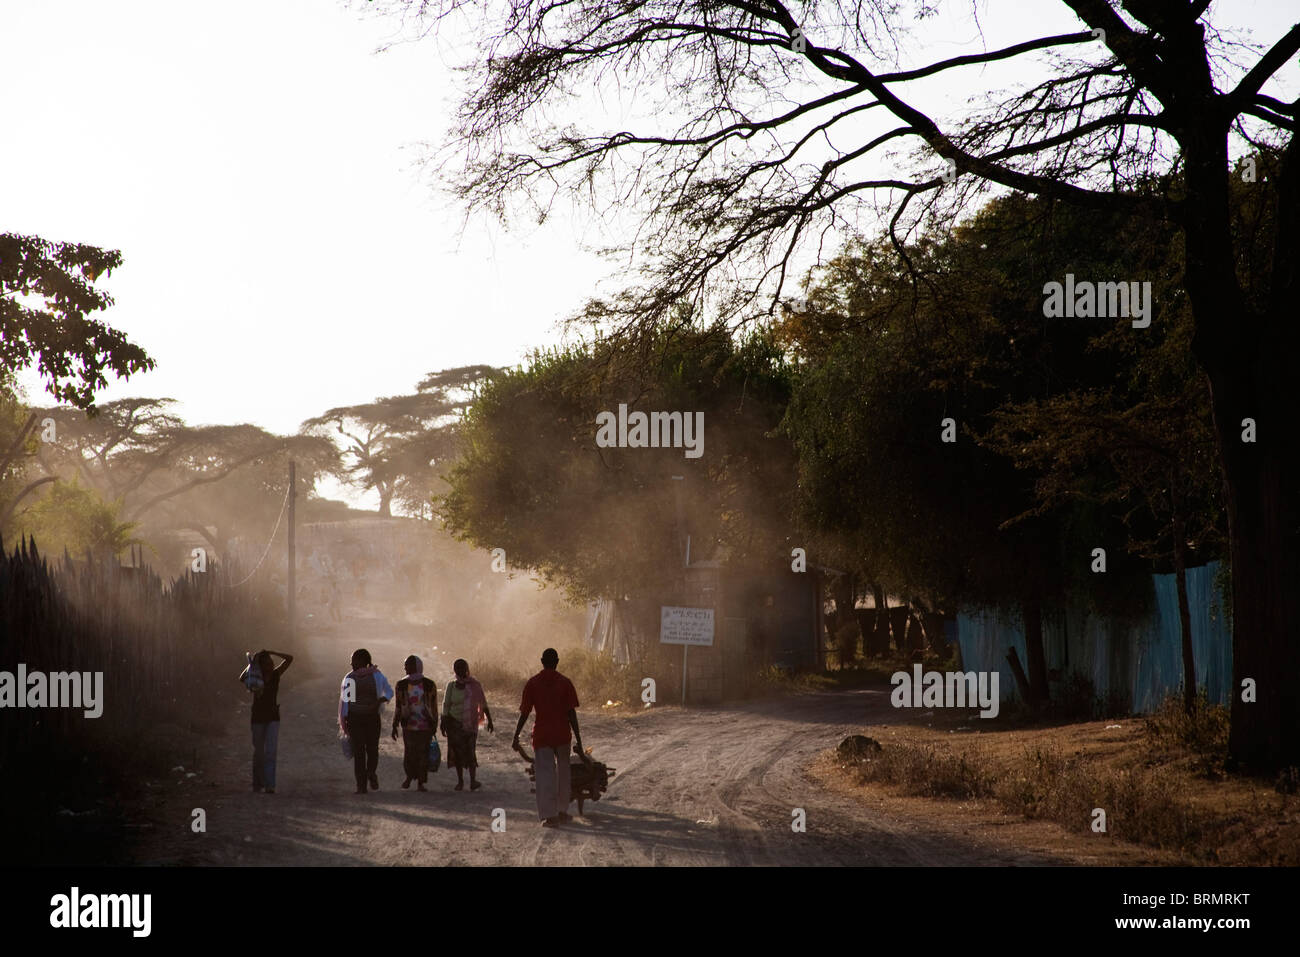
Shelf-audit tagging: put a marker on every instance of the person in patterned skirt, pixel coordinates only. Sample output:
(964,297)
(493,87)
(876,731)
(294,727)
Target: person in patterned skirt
(417,704)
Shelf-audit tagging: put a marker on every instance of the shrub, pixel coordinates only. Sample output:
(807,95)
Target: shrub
(927,771)
(598,678)
(1203,732)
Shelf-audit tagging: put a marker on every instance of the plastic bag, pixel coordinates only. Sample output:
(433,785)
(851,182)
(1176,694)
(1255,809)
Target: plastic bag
(346,743)
(435,755)
(253,680)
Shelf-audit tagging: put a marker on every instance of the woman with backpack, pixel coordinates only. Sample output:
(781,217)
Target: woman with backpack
(361,698)
(262,678)
(417,706)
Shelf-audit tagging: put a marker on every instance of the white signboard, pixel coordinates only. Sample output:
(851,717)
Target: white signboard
(685,626)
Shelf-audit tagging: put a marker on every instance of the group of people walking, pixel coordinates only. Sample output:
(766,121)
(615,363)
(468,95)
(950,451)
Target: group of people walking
(415,714)
(363,692)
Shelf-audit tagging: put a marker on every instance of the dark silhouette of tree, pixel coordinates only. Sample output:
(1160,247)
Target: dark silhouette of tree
(47,294)
(893,390)
(161,471)
(396,444)
(759,141)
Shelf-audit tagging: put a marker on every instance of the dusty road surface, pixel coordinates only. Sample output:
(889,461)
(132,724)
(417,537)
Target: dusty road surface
(697,786)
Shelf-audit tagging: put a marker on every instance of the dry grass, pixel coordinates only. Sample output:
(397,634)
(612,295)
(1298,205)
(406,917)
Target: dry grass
(1160,781)
(778,681)
(601,682)
(925,770)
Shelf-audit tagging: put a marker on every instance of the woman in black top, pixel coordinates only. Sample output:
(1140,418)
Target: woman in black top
(266,719)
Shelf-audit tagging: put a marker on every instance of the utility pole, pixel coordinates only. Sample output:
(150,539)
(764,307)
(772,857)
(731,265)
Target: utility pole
(293,563)
(682,538)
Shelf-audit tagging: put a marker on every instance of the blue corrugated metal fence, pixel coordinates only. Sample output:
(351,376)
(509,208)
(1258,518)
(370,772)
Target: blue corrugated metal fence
(1141,660)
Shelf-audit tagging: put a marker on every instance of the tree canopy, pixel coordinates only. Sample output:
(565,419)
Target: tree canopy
(47,296)
(397,445)
(604,521)
(758,138)
(166,475)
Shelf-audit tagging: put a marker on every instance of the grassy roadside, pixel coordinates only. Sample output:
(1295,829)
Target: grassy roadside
(1159,779)
(603,685)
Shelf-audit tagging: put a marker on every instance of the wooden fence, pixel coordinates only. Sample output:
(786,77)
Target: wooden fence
(163,647)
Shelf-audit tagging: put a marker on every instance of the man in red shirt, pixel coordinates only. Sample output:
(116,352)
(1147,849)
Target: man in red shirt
(554,699)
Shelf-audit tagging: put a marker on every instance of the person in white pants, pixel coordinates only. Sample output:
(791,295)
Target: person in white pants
(552,776)
(554,699)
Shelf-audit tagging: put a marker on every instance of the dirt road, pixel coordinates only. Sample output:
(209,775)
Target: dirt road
(697,786)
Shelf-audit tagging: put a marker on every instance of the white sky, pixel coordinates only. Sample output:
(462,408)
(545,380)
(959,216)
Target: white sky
(254,161)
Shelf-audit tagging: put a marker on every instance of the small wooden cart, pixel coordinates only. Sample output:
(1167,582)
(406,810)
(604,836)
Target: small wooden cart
(588,778)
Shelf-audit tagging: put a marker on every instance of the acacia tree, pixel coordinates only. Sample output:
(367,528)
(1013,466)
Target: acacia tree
(237,485)
(434,449)
(394,444)
(139,454)
(754,143)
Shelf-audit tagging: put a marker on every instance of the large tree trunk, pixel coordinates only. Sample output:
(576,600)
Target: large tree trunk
(30,487)
(1036,659)
(880,635)
(1018,673)
(915,638)
(842,591)
(898,626)
(1262,519)
(1245,353)
(1184,610)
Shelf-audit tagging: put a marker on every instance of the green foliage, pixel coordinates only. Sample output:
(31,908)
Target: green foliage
(72,518)
(775,680)
(1137,442)
(885,363)
(824,430)
(600,521)
(47,293)
(217,480)
(13,416)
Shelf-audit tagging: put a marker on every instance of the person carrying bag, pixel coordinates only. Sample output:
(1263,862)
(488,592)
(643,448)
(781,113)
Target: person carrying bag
(417,703)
